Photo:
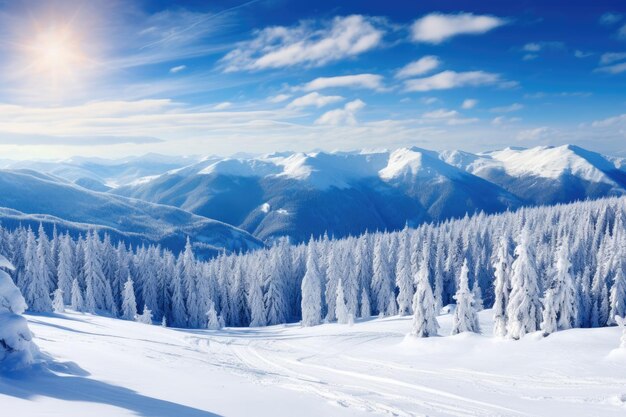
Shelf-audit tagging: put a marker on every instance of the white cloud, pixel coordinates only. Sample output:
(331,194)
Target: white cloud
(419,67)
(178,68)
(507,109)
(430,100)
(611,121)
(279,98)
(503,120)
(582,54)
(440,114)
(307,44)
(530,57)
(532,47)
(610,18)
(535,134)
(368,81)
(613,69)
(344,116)
(451,79)
(436,27)
(469,103)
(314,99)
(610,57)
(223,105)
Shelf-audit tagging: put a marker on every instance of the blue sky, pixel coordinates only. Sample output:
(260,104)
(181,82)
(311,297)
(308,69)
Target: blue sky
(114,78)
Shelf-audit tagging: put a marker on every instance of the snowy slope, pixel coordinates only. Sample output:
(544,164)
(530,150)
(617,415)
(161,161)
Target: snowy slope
(546,174)
(41,194)
(105,367)
(96,173)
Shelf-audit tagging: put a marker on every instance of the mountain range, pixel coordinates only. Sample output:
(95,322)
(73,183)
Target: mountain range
(237,203)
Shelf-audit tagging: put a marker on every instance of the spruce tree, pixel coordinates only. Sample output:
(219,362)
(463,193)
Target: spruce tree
(311,289)
(524,307)
(77,302)
(424,306)
(129,303)
(464,318)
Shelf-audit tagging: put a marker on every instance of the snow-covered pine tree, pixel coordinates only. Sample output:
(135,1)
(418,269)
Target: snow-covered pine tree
(502,285)
(464,318)
(44,252)
(98,293)
(178,310)
(258,318)
(382,279)
(36,278)
(213,322)
(366,308)
(77,301)
(65,268)
(129,303)
(311,289)
(17,349)
(145,317)
(334,271)
(57,301)
(524,307)
(564,291)
(404,277)
(276,305)
(341,310)
(188,272)
(424,305)
(618,292)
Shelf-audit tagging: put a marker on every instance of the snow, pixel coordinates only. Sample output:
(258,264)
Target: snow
(415,162)
(546,162)
(266,207)
(105,367)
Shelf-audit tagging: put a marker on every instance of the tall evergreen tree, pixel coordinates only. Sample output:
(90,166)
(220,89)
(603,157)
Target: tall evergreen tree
(524,307)
(424,306)
(311,289)
(464,318)
(129,304)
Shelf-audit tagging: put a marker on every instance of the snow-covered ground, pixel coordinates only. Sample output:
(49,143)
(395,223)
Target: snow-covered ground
(106,367)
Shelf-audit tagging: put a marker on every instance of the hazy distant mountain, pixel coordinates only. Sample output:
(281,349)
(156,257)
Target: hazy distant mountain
(297,194)
(32,193)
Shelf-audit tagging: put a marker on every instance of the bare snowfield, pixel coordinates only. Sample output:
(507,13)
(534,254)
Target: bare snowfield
(107,367)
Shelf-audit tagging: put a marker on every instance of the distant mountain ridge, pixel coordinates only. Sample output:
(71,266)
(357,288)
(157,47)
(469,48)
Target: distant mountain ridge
(28,196)
(298,194)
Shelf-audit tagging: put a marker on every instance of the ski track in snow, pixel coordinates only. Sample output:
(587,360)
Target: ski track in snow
(331,370)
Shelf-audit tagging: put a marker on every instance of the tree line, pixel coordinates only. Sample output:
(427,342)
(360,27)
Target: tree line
(547,268)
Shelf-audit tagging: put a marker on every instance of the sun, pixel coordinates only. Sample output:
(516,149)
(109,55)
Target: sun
(55,54)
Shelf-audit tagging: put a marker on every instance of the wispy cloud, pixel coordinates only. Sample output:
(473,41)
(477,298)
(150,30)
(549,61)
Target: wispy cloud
(309,43)
(610,18)
(469,103)
(451,79)
(366,81)
(178,68)
(507,109)
(610,57)
(421,66)
(314,99)
(536,134)
(436,27)
(344,116)
(223,105)
(613,69)
(279,98)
